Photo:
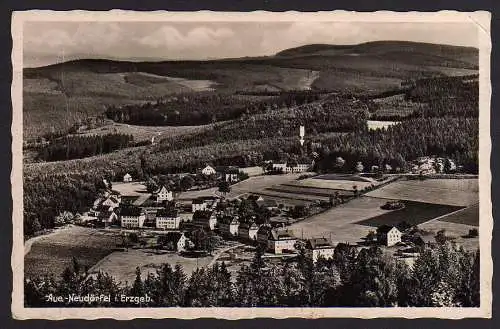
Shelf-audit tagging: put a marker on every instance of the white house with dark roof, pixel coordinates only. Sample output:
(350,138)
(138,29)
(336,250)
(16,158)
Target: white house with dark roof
(388,235)
(163,194)
(248,231)
(205,218)
(228,225)
(132,217)
(319,247)
(127,178)
(208,170)
(167,219)
(199,204)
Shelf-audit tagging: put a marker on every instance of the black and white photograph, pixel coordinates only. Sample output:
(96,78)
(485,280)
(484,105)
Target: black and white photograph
(241,165)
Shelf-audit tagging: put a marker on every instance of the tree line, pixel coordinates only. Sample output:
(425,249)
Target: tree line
(203,109)
(76,147)
(442,276)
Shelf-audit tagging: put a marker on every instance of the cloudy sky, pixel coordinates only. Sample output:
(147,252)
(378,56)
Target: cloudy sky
(50,42)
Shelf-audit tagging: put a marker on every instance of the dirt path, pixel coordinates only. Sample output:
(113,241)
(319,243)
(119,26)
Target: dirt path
(220,253)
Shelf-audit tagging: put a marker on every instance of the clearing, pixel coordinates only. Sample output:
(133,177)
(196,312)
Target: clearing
(374,125)
(130,189)
(468,216)
(51,254)
(456,192)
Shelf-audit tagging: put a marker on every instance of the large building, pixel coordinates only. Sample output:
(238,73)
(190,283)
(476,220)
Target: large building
(205,219)
(132,217)
(199,204)
(276,240)
(167,219)
(319,247)
(288,168)
(388,235)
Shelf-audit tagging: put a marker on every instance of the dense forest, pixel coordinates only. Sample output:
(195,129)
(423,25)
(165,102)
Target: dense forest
(442,276)
(193,109)
(77,147)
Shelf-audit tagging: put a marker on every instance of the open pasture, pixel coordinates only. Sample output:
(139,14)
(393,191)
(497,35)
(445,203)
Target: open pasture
(414,213)
(132,189)
(468,216)
(340,223)
(335,184)
(456,192)
(301,190)
(51,254)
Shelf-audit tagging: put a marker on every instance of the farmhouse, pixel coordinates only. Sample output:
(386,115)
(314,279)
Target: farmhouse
(198,204)
(228,226)
(205,219)
(268,204)
(388,235)
(280,241)
(319,247)
(177,241)
(163,194)
(208,171)
(127,178)
(112,201)
(132,217)
(167,219)
(248,231)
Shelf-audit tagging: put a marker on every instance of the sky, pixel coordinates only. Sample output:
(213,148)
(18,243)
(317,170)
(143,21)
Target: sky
(47,42)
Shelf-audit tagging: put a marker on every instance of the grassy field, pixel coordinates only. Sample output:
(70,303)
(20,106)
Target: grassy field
(51,254)
(130,189)
(329,182)
(340,223)
(458,192)
(373,125)
(395,106)
(321,192)
(145,133)
(414,213)
(468,216)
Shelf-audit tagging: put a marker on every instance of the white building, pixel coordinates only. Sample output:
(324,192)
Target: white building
(388,235)
(198,205)
(287,168)
(206,219)
(319,247)
(163,194)
(281,240)
(132,217)
(178,240)
(127,178)
(228,226)
(167,220)
(248,231)
(208,171)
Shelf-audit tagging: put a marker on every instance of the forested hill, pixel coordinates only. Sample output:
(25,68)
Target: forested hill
(57,96)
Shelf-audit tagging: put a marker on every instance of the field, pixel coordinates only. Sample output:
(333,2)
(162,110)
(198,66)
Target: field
(340,223)
(129,189)
(51,254)
(414,213)
(336,182)
(145,133)
(320,192)
(395,106)
(468,216)
(457,192)
(373,125)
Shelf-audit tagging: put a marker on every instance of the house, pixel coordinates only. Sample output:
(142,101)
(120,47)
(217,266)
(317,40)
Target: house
(281,240)
(163,194)
(127,178)
(167,219)
(388,235)
(229,174)
(291,168)
(248,231)
(208,171)
(132,217)
(268,204)
(319,247)
(205,219)
(96,211)
(255,197)
(177,240)
(228,225)
(112,201)
(198,204)
(107,218)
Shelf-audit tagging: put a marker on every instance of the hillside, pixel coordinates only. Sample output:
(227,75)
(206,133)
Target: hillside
(59,95)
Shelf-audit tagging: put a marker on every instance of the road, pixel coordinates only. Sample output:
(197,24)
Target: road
(220,253)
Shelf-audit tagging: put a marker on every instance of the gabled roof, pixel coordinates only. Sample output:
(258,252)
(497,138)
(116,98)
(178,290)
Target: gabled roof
(281,235)
(127,175)
(385,229)
(198,201)
(228,220)
(202,215)
(163,212)
(318,243)
(249,225)
(130,211)
(160,189)
(173,236)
